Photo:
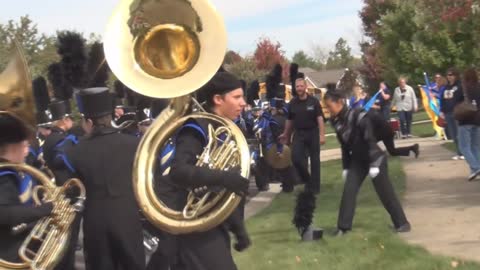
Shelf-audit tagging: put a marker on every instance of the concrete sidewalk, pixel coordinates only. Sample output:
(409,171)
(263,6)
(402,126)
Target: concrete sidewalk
(443,207)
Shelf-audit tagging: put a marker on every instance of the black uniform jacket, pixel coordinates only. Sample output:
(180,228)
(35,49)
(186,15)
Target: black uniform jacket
(51,141)
(185,175)
(13,213)
(51,154)
(356,135)
(104,163)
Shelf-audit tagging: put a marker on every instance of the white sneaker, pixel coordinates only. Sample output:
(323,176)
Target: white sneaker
(456,158)
(462,157)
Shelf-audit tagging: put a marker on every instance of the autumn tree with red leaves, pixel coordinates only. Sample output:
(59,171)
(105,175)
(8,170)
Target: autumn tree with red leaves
(268,54)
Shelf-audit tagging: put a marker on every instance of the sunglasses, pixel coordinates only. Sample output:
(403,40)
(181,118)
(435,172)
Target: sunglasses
(450,75)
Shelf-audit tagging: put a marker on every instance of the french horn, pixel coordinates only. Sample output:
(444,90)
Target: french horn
(169,49)
(45,245)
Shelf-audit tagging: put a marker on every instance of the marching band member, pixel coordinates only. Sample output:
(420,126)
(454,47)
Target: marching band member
(103,162)
(361,157)
(211,249)
(13,149)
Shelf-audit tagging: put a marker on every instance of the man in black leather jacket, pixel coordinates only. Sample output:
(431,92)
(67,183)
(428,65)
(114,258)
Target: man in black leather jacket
(361,157)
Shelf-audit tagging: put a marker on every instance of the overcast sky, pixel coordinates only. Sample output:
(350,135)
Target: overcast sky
(296,24)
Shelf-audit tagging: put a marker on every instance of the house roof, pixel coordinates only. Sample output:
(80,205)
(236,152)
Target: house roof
(319,79)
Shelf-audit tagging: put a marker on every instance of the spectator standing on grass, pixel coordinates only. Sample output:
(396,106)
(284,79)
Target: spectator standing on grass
(452,95)
(469,131)
(405,100)
(383,103)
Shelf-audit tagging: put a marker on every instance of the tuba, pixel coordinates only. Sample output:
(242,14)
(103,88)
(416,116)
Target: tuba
(47,241)
(169,49)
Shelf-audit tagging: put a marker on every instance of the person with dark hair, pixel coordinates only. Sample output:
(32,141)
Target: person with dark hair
(469,130)
(210,250)
(451,97)
(103,161)
(14,149)
(383,103)
(305,117)
(361,157)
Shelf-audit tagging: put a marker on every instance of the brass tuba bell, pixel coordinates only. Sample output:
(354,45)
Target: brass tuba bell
(16,87)
(47,242)
(169,49)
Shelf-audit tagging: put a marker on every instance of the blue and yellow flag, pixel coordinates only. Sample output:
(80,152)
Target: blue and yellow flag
(431,105)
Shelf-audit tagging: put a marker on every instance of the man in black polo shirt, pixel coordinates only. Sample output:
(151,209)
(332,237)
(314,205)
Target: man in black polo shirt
(305,117)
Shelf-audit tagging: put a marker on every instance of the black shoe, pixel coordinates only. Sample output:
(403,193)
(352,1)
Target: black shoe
(474,176)
(287,190)
(340,233)
(404,228)
(416,150)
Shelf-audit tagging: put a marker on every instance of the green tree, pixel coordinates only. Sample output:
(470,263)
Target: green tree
(341,56)
(413,37)
(247,70)
(304,60)
(39,48)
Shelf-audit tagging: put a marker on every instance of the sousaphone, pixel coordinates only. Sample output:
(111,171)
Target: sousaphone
(169,49)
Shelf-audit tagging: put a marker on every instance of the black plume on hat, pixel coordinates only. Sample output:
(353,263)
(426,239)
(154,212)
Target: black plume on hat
(97,68)
(244,86)
(304,211)
(273,81)
(293,77)
(40,92)
(71,48)
(61,91)
(252,93)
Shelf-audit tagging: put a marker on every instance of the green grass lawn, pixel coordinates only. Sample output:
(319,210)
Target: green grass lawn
(450,146)
(371,245)
(423,130)
(331,143)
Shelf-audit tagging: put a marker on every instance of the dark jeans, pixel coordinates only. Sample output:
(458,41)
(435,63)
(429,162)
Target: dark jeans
(306,143)
(405,122)
(356,175)
(452,130)
(469,142)
(385,110)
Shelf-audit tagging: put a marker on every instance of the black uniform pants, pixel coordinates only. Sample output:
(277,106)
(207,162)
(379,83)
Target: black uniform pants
(392,150)
(209,250)
(113,236)
(306,143)
(264,173)
(356,175)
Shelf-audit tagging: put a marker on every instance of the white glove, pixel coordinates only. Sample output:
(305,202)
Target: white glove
(374,172)
(345,174)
